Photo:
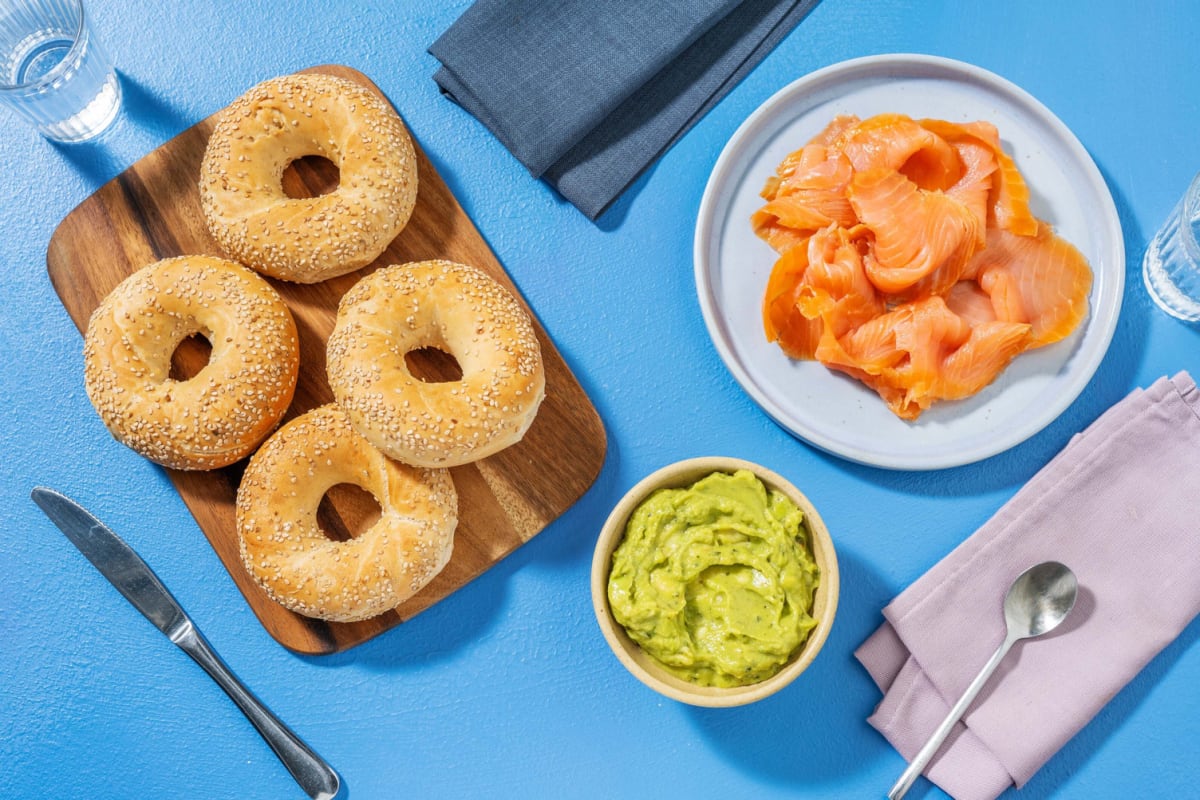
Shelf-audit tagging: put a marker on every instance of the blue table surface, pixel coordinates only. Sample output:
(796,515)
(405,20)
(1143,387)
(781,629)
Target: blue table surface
(506,688)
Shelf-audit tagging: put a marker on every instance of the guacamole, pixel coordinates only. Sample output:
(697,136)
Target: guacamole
(716,581)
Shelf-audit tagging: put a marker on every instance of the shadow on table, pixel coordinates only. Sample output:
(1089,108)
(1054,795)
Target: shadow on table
(96,159)
(815,730)
(99,160)
(151,112)
(615,214)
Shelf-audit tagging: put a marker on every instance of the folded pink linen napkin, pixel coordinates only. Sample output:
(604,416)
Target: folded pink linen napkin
(1119,506)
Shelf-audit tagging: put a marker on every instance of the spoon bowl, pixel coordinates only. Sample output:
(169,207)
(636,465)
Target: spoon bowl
(1040,599)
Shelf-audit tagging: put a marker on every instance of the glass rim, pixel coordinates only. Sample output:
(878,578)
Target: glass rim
(59,69)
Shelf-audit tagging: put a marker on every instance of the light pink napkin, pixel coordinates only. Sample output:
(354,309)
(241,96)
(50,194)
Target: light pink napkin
(1120,506)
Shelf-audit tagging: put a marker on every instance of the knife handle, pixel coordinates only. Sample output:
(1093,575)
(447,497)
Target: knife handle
(314,775)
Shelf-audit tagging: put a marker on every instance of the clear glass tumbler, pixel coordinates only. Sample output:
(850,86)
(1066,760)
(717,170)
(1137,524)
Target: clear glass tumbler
(1171,266)
(52,70)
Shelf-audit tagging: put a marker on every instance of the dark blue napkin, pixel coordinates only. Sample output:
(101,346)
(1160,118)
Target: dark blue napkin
(588,93)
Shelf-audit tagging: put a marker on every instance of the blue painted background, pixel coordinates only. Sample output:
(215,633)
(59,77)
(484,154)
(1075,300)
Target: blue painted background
(506,689)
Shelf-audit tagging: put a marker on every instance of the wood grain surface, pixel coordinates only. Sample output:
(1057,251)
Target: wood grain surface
(152,211)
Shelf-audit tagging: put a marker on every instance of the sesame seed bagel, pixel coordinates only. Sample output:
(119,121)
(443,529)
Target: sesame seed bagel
(220,414)
(453,308)
(307,240)
(300,567)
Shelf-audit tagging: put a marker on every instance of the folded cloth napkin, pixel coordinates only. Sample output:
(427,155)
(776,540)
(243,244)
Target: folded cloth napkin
(588,93)
(1118,506)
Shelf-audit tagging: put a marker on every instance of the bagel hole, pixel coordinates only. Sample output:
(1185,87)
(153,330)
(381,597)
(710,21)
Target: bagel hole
(190,356)
(432,365)
(347,511)
(310,176)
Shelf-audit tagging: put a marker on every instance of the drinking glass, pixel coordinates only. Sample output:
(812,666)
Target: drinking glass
(1171,266)
(53,72)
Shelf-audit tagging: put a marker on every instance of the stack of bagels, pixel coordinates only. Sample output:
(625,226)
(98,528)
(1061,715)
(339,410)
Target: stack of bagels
(387,432)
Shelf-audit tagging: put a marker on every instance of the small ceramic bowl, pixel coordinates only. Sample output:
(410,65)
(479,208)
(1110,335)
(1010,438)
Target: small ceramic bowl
(649,671)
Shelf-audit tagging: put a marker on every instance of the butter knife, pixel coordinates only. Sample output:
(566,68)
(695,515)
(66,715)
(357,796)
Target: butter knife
(131,576)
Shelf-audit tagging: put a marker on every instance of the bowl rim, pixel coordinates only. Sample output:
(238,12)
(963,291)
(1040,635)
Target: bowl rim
(641,665)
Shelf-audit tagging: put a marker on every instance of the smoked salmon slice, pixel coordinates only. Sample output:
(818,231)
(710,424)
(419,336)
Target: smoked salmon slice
(1010,200)
(782,320)
(910,259)
(917,233)
(1041,279)
(806,194)
(835,287)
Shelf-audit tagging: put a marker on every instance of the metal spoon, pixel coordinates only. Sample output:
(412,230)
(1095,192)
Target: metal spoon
(1038,600)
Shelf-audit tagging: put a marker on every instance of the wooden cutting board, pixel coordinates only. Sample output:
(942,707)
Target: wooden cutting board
(152,211)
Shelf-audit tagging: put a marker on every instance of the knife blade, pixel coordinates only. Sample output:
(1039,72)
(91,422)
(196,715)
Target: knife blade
(134,579)
(116,561)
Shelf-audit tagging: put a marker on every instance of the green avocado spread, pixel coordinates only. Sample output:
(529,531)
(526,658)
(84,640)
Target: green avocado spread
(716,581)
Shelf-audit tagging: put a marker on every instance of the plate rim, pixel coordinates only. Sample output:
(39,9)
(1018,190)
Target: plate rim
(1105,308)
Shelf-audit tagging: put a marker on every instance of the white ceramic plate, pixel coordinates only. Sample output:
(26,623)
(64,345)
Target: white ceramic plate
(830,410)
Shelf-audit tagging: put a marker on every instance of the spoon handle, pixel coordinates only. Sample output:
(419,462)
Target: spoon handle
(935,741)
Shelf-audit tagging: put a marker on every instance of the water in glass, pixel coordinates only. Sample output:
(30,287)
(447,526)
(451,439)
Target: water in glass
(53,72)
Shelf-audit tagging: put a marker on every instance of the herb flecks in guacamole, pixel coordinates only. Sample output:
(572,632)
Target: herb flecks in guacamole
(716,581)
